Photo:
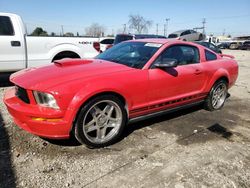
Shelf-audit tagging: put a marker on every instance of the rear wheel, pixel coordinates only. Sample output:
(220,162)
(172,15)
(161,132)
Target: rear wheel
(101,121)
(217,96)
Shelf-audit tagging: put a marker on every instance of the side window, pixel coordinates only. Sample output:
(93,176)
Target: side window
(210,56)
(6,27)
(183,33)
(183,54)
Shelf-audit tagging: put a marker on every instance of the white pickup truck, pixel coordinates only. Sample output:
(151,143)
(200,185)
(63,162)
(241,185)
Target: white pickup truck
(19,51)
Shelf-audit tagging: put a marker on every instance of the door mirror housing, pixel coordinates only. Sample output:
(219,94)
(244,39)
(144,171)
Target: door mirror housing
(167,63)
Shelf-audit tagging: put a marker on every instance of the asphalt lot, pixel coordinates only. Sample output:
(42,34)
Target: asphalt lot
(190,148)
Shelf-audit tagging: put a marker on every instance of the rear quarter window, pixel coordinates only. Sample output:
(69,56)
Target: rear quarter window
(6,27)
(210,56)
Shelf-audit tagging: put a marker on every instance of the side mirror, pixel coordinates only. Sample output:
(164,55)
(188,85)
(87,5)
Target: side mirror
(167,63)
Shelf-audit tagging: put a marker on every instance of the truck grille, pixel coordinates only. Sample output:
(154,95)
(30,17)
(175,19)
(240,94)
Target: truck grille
(22,94)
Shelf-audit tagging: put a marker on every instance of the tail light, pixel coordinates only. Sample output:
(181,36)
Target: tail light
(96,45)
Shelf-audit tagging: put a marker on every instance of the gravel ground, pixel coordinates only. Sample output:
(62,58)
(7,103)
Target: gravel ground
(190,148)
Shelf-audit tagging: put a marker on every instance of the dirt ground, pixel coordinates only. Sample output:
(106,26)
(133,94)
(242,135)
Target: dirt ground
(190,148)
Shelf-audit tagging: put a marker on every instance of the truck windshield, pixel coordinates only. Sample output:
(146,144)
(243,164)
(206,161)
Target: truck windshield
(121,38)
(172,36)
(132,54)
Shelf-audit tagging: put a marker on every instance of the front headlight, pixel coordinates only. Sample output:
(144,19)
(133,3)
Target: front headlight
(45,99)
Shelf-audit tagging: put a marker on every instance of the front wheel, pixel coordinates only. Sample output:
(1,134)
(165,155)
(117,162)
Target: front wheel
(101,121)
(217,96)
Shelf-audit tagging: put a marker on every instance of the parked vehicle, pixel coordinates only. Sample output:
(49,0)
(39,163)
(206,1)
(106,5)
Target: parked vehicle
(224,45)
(212,39)
(105,43)
(187,35)
(210,46)
(124,37)
(235,45)
(245,45)
(94,99)
(19,51)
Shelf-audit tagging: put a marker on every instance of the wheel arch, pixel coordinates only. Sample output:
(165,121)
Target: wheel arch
(64,48)
(85,99)
(219,75)
(65,54)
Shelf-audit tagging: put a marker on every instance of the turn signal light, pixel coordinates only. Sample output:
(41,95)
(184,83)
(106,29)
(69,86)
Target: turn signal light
(46,119)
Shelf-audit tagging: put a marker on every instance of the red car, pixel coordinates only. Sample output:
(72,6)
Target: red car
(94,99)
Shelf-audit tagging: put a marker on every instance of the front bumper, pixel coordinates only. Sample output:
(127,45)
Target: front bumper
(40,121)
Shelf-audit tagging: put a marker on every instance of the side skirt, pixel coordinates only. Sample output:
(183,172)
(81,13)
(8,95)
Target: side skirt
(154,114)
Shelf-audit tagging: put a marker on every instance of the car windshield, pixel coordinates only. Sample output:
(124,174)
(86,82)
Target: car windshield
(132,54)
(121,38)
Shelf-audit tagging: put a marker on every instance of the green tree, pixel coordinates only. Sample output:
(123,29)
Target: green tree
(39,32)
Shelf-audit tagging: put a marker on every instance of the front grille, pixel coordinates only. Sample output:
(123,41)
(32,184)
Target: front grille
(22,94)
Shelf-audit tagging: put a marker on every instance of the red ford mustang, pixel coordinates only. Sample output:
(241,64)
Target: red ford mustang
(94,99)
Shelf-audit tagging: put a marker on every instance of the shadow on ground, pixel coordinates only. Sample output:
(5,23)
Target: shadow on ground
(7,175)
(159,119)
(191,125)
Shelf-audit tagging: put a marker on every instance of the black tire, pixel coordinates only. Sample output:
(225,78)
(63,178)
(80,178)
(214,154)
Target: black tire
(209,104)
(91,138)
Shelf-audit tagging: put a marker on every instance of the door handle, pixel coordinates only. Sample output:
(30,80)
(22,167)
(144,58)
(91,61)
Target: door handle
(197,71)
(15,43)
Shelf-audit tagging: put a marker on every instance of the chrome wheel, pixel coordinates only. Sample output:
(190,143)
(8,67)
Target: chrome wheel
(102,121)
(219,95)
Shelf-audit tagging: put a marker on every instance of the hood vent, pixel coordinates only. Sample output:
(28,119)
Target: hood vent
(71,62)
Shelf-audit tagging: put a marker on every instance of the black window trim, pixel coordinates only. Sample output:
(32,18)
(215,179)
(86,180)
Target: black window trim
(152,64)
(13,34)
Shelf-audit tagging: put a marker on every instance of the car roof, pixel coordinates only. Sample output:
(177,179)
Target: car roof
(140,35)
(164,41)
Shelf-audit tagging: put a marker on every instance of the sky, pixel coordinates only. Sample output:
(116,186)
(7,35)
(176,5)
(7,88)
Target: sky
(222,16)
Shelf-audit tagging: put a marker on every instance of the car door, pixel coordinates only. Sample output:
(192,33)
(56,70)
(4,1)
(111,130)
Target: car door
(185,81)
(12,51)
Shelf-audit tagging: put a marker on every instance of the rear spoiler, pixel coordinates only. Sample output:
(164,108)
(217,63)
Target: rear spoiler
(225,55)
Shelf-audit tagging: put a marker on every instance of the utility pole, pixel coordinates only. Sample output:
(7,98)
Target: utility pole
(62,30)
(166,28)
(124,28)
(203,24)
(157,29)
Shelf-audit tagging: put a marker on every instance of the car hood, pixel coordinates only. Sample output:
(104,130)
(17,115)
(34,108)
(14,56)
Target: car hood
(64,71)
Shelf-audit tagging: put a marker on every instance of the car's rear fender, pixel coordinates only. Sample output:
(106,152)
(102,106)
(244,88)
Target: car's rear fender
(219,74)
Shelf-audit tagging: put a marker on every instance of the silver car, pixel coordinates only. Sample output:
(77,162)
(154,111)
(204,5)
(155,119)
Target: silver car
(187,35)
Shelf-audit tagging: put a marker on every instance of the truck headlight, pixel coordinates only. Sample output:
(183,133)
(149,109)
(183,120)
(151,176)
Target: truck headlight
(45,99)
